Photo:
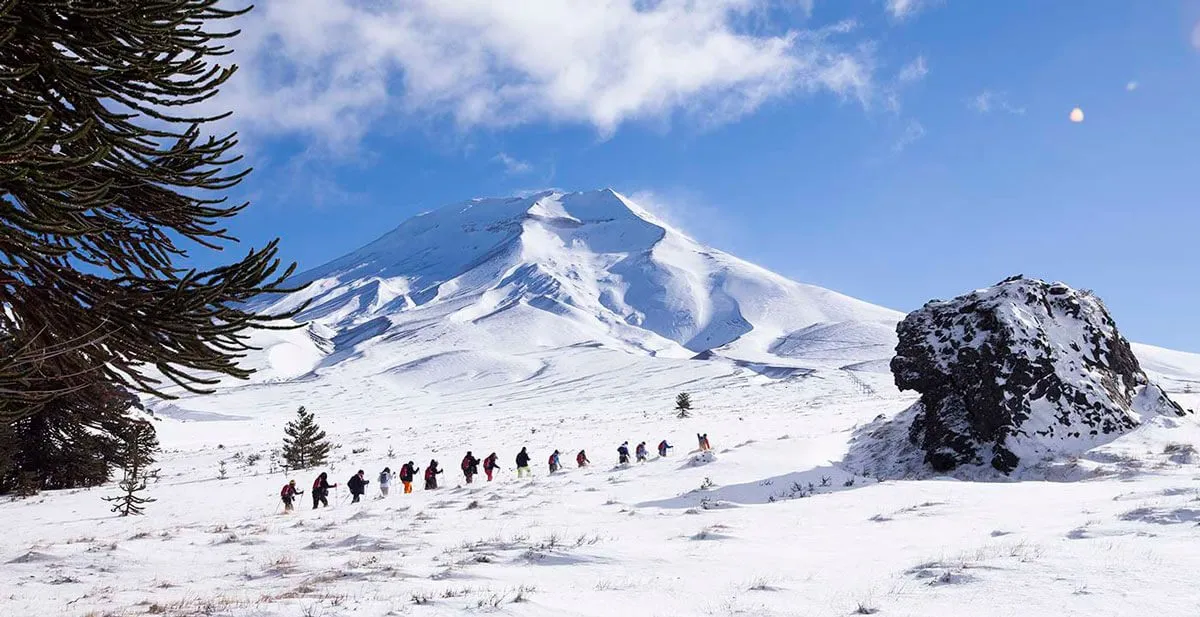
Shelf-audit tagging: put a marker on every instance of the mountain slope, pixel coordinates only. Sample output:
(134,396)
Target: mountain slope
(519,275)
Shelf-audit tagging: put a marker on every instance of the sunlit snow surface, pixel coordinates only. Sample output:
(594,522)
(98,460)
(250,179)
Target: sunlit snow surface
(524,337)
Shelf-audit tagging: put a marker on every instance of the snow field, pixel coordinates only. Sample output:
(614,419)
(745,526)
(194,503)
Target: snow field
(741,535)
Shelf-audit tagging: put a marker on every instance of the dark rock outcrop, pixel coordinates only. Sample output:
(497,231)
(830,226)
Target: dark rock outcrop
(1020,370)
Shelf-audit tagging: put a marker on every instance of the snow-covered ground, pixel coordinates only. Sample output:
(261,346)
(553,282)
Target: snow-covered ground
(603,541)
(570,321)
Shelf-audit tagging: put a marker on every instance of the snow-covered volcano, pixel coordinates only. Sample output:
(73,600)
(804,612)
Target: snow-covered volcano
(502,277)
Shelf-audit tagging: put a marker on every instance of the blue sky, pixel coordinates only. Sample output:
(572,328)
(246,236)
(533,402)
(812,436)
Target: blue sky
(893,150)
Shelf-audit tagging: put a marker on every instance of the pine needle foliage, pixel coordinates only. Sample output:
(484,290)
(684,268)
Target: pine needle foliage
(108,175)
(683,405)
(304,444)
(137,452)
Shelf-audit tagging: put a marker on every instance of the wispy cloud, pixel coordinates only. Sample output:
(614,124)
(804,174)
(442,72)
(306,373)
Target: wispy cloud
(988,101)
(1131,86)
(913,71)
(913,131)
(331,69)
(512,166)
(901,10)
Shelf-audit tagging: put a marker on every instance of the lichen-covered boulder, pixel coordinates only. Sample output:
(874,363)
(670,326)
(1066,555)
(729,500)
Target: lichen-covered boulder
(1019,371)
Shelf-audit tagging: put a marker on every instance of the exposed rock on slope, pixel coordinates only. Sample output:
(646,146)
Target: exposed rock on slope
(1016,373)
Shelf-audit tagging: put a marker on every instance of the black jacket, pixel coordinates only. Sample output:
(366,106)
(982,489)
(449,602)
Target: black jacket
(522,459)
(320,487)
(470,465)
(407,473)
(357,485)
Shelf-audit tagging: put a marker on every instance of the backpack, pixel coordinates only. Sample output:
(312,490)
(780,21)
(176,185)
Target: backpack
(284,491)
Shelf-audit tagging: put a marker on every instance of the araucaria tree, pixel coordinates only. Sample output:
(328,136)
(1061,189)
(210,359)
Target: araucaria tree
(137,453)
(683,405)
(74,441)
(304,444)
(107,178)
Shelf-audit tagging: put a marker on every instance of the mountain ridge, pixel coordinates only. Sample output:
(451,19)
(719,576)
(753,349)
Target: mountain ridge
(594,258)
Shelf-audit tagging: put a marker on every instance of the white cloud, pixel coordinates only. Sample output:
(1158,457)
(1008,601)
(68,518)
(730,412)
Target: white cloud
(912,132)
(987,101)
(1131,86)
(914,71)
(334,68)
(901,10)
(512,166)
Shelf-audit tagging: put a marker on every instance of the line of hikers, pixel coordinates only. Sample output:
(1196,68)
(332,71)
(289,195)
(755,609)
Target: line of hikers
(470,468)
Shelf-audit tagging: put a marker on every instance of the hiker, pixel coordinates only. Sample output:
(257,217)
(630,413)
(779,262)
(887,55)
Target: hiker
(623,454)
(490,465)
(288,495)
(663,446)
(385,481)
(703,439)
(431,474)
(555,465)
(642,454)
(357,485)
(320,491)
(407,472)
(581,459)
(523,464)
(470,466)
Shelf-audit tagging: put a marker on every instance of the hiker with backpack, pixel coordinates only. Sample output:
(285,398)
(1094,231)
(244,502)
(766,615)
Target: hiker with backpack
(357,485)
(663,446)
(470,466)
(642,453)
(385,481)
(490,465)
(523,464)
(623,454)
(555,464)
(288,495)
(581,459)
(431,474)
(408,471)
(320,490)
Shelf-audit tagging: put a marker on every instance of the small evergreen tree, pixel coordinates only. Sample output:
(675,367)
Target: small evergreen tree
(137,453)
(683,404)
(304,444)
(222,473)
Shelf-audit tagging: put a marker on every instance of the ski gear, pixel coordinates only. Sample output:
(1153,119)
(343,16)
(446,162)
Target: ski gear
(581,459)
(642,454)
(490,465)
(431,474)
(320,490)
(623,454)
(408,472)
(470,466)
(555,465)
(288,495)
(357,485)
(523,464)
(663,446)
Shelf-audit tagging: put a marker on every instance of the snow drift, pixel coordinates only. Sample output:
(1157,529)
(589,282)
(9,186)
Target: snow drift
(1022,371)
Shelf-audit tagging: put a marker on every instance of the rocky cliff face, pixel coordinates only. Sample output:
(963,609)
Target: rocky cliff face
(1017,372)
